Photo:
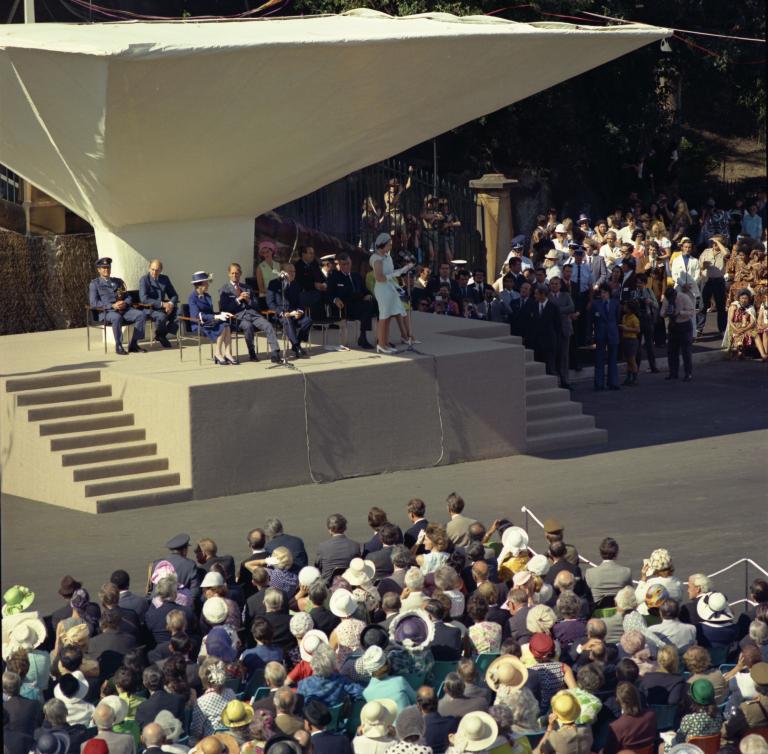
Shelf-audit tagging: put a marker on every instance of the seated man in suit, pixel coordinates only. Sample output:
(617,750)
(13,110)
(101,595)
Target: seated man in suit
(284,298)
(240,300)
(444,278)
(108,293)
(447,644)
(318,718)
(276,537)
(336,552)
(606,579)
(159,698)
(157,292)
(347,291)
(456,703)
(110,646)
(437,727)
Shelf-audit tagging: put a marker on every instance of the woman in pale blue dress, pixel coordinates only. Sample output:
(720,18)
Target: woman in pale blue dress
(387,294)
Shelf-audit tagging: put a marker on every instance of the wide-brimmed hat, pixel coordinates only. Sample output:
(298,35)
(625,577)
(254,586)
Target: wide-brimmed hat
(359,572)
(215,610)
(117,705)
(377,717)
(342,604)
(201,276)
(76,635)
(308,575)
(521,578)
(660,560)
(28,632)
(237,714)
(219,644)
(228,741)
(412,629)
(566,707)
(374,659)
(656,595)
(560,228)
(713,608)
(17,599)
(212,578)
(538,565)
(52,742)
(68,586)
(506,670)
(310,642)
(80,693)
(476,732)
(702,691)
(514,540)
(552,254)
(172,726)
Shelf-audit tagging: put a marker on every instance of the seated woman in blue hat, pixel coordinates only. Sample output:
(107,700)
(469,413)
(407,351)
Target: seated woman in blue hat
(215,326)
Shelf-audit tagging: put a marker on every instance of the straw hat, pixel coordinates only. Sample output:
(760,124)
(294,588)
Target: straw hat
(552,254)
(566,707)
(476,732)
(359,572)
(215,610)
(237,714)
(118,706)
(506,670)
(342,604)
(310,642)
(377,717)
(28,632)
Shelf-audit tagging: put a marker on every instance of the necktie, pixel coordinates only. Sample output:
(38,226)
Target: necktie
(685,262)
(541,309)
(351,282)
(237,289)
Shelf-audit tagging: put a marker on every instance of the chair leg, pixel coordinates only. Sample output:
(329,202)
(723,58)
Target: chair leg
(104,335)
(199,347)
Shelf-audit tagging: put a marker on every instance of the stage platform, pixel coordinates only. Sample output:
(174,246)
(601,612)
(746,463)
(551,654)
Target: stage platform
(98,432)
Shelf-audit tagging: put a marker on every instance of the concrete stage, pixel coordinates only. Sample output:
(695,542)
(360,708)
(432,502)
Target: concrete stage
(98,433)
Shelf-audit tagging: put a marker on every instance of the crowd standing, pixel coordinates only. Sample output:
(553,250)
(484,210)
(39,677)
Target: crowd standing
(441,636)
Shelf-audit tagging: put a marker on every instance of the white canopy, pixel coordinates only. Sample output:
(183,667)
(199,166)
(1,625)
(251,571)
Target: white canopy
(171,137)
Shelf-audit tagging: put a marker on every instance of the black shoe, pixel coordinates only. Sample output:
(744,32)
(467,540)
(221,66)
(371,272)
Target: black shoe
(333,327)
(120,351)
(687,378)
(296,351)
(363,343)
(653,370)
(220,362)
(303,353)
(627,381)
(671,377)
(252,356)
(275,358)
(614,387)
(577,369)
(163,341)
(135,348)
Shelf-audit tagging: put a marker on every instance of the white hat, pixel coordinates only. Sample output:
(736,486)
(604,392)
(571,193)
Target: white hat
(170,724)
(310,642)
(215,610)
(301,623)
(376,717)
(82,690)
(713,608)
(212,578)
(27,632)
(119,707)
(359,572)
(374,658)
(382,240)
(560,228)
(521,578)
(538,565)
(308,575)
(343,604)
(476,732)
(514,541)
(552,254)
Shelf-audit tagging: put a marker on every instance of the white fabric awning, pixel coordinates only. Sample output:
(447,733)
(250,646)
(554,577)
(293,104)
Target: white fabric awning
(145,125)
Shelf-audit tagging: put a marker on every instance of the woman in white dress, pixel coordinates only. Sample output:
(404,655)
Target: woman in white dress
(387,294)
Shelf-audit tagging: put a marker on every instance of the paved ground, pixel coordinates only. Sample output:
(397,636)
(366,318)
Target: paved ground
(685,468)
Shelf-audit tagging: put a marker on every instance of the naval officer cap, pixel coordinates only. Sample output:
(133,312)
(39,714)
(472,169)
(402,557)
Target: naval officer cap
(179,541)
(104,262)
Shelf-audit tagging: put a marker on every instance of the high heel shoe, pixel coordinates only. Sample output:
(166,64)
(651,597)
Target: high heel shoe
(221,363)
(387,351)
(233,362)
(410,341)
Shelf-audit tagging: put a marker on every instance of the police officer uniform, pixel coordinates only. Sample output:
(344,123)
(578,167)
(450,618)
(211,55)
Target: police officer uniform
(751,714)
(187,571)
(248,318)
(103,292)
(154,292)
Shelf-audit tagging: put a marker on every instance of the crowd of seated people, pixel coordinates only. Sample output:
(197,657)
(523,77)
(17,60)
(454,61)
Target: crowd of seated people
(440,635)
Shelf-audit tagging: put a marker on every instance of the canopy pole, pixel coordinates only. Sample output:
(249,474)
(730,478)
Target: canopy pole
(29,11)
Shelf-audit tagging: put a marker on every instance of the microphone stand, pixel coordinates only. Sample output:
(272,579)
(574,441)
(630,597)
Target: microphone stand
(409,286)
(284,363)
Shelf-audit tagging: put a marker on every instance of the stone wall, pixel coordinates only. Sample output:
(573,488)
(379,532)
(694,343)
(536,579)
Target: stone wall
(44,281)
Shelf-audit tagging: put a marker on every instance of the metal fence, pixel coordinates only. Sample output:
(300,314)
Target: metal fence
(338,208)
(10,186)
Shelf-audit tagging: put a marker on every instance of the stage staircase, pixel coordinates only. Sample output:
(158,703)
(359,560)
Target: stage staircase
(553,419)
(97,452)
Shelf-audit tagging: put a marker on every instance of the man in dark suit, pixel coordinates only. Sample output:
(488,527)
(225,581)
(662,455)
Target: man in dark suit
(322,617)
(284,298)
(128,599)
(257,541)
(347,291)
(444,278)
(159,698)
(187,571)
(155,618)
(416,510)
(479,287)
(111,645)
(240,300)
(541,327)
(24,715)
(157,292)
(465,292)
(15,742)
(629,279)
(318,718)
(312,282)
(55,712)
(447,644)
(276,537)
(109,595)
(336,552)
(517,601)
(382,559)
(207,556)
(277,616)
(437,727)
(455,703)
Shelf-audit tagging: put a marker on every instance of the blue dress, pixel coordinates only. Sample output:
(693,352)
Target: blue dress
(201,309)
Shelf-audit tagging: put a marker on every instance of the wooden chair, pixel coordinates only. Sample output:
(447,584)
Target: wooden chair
(708,744)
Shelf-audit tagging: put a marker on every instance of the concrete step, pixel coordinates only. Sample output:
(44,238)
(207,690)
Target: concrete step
(144,499)
(557,424)
(123,468)
(61,394)
(131,483)
(528,355)
(116,452)
(539,382)
(535,369)
(550,410)
(560,440)
(103,421)
(92,439)
(550,395)
(53,379)
(75,408)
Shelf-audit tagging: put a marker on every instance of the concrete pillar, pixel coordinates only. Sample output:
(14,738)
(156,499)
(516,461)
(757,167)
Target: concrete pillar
(493,195)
